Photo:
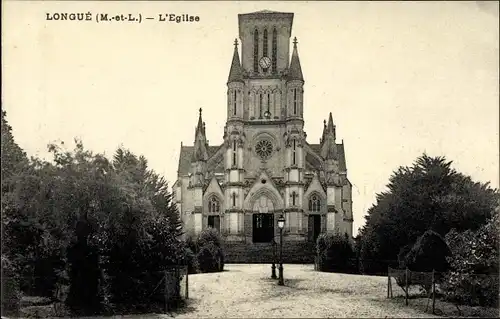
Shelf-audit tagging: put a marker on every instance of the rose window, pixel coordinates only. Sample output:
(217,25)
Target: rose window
(264,149)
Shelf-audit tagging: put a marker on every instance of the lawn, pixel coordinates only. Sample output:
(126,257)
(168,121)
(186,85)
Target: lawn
(247,291)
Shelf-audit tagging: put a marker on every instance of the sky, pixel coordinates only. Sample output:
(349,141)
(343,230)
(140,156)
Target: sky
(400,78)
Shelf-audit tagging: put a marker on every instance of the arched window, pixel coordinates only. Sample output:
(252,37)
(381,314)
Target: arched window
(213,205)
(265,44)
(294,198)
(294,101)
(256,51)
(314,203)
(234,103)
(234,153)
(268,102)
(260,105)
(234,199)
(275,48)
(294,160)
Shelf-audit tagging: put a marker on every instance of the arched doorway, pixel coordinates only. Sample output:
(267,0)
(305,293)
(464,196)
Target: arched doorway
(263,220)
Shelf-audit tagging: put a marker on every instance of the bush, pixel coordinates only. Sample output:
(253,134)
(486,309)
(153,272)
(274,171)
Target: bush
(473,279)
(11,295)
(192,261)
(191,244)
(209,258)
(403,252)
(335,253)
(210,252)
(429,253)
(209,235)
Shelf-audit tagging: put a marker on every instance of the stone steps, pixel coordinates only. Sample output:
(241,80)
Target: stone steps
(263,253)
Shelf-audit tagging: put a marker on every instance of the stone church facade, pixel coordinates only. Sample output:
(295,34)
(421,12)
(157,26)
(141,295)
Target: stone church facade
(265,166)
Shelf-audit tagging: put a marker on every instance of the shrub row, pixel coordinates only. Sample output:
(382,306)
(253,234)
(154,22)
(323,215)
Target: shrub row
(10,289)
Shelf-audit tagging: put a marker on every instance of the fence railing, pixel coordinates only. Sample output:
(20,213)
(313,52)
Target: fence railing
(429,281)
(406,278)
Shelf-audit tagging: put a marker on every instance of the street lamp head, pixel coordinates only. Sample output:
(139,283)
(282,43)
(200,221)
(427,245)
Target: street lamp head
(281,222)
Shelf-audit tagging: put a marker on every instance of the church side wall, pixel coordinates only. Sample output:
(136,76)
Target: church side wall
(187,205)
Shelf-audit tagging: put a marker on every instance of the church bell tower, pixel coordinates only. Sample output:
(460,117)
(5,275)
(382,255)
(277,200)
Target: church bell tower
(265,167)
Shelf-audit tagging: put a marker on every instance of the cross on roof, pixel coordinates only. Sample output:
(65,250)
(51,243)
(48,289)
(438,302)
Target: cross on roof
(236,42)
(295,42)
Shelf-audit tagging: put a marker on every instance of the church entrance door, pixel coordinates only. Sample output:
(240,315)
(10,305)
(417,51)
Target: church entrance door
(263,228)
(314,228)
(263,220)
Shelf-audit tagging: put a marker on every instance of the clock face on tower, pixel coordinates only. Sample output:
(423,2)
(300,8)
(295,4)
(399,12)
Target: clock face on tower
(265,62)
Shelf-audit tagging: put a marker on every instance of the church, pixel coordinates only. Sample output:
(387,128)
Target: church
(265,167)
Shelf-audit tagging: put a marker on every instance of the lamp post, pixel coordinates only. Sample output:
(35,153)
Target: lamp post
(281,225)
(273,267)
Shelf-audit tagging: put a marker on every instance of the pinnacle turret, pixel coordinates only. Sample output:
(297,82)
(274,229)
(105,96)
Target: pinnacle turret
(236,71)
(199,126)
(200,141)
(295,70)
(328,145)
(322,140)
(331,127)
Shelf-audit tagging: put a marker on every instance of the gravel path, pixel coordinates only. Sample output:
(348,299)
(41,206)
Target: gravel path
(246,291)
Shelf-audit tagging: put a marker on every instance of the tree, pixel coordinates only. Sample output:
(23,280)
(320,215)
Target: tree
(28,240)
(429,195)
(89,214)
(14,161)
(84,297)
(11,295)
(13,157)
(140,238)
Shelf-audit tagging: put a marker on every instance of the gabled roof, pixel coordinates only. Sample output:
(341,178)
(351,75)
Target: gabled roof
(258,188)
(340,152)
(314,186)
(213,187)
(186,155)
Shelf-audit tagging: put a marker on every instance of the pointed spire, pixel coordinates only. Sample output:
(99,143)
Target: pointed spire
(324,132)
(295,70)
(200,141)
(331,126)
(199,127)
(236,72)
(329,147)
